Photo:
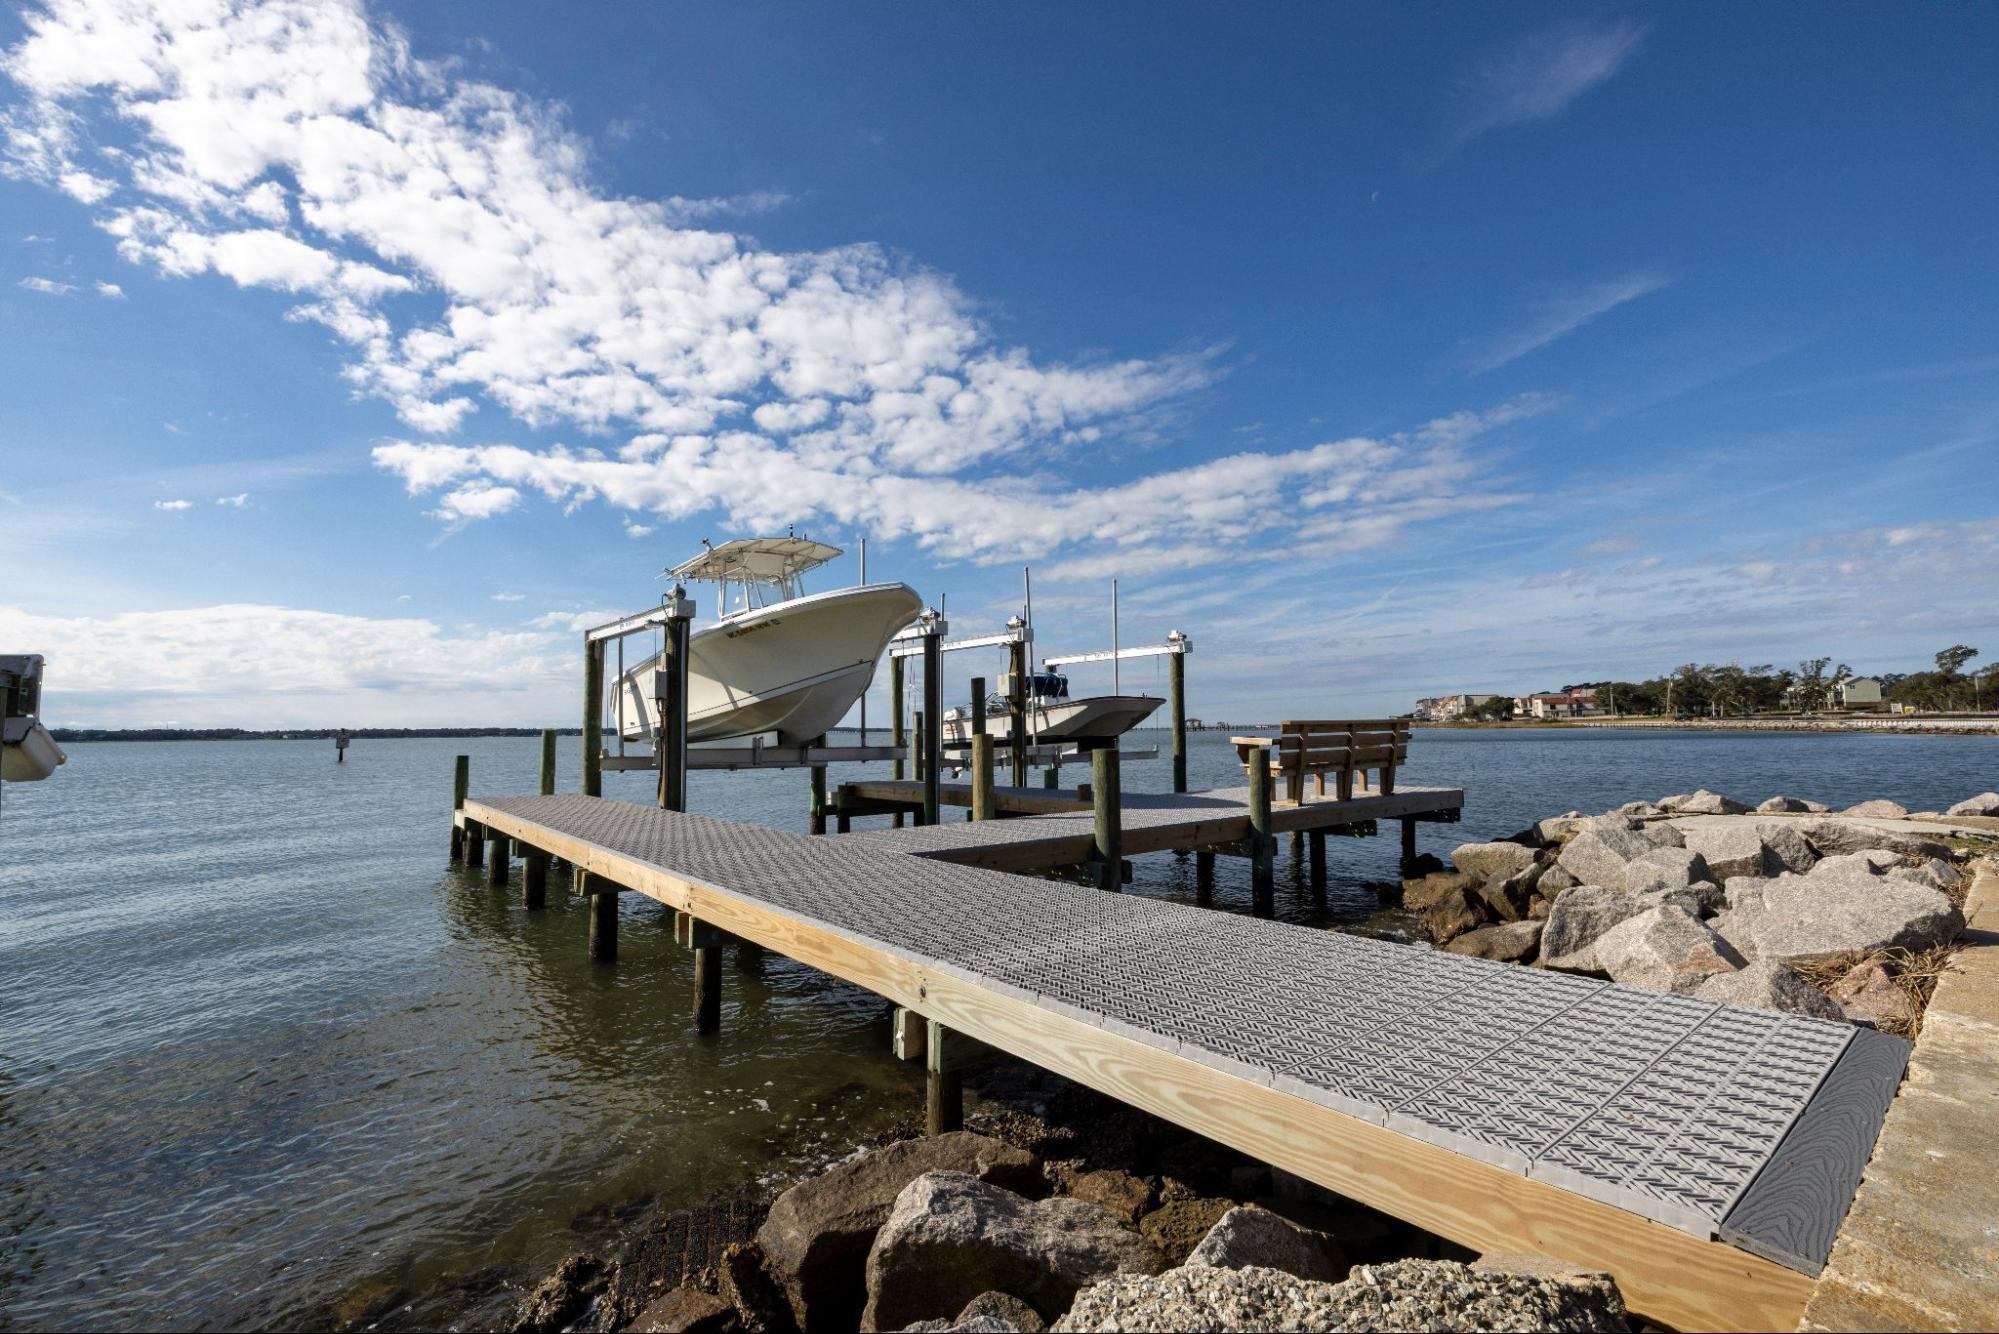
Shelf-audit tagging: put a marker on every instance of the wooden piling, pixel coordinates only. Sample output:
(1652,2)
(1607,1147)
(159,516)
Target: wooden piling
(461,787)
(707,989)
(1106,800)
(548,761)
(933,718)
(603,898)
(475,845)
(1408,844)
(984,805)
(1016,708)
(496,860)
(670,686)
(1263,843)
(1204,878)
(534,880)
(593,719)
(944,1086)
(1176,689)
(1319,867)
(897,739)
(819,793)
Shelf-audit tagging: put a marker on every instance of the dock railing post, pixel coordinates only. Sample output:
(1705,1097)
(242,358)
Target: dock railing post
(897,737)
(548,761)
(461,787)
(1263,843)
(1106,800)
(670,688)
(1016,703)
(983,805)
(1176,689)
(593,718)
(933,713)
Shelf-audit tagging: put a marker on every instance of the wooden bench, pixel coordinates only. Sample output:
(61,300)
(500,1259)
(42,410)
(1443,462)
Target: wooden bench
(1345,750)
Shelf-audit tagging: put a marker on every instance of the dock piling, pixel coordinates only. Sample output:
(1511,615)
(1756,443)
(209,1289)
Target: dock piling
(496,859)
(475,845)
(707,988)
(461,787)
(548,761)
(944,1085)
(1106,801)
(1263,843)
(1408,844)
(978,723)
(984,806)
(603,896)
(534,878)
(1318,843)
(1016,701)
(819,794)
(593,717)
(1204,878)
(933,713)
(1176,689)
(670,689)
(897,737)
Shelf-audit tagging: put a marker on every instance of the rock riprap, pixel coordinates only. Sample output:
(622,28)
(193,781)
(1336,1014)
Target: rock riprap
(952,1236)
(1251,1237)
(1405,1295)
(816,1238)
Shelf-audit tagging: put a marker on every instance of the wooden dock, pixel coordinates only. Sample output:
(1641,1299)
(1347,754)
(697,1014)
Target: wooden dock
(1704,1154)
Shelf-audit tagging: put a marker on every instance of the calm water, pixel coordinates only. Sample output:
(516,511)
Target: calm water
(261,1049)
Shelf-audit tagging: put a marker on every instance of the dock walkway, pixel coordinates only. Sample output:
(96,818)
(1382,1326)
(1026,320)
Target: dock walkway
(1704,1154)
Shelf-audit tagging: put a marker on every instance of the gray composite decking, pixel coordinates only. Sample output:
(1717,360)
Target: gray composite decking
(1728,1123)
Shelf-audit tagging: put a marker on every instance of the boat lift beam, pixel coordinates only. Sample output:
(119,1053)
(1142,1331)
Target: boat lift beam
(1175,649)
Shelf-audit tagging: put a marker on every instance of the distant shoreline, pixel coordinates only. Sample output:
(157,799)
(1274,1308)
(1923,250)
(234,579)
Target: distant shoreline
(83,734)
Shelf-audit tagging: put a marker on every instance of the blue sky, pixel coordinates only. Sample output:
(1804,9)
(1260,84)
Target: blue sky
(356,354)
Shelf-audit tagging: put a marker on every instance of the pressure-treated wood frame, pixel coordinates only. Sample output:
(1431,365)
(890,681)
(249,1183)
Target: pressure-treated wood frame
(1665,1274)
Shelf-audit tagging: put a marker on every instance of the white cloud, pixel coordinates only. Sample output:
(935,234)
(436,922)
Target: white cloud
(210,665)
(47,286)
(510,597)
(575,622)
(1538,77)
(637,529)
(237,501)
(1563,314)
(173,504)
(110,291)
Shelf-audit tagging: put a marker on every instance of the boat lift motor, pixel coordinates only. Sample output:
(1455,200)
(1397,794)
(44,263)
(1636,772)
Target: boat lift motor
(28,753)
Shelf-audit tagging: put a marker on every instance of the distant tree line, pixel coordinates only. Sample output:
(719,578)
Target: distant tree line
(286,734)
(1710,690)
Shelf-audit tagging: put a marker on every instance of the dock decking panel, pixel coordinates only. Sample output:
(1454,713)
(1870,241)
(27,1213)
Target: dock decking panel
(1660,1106)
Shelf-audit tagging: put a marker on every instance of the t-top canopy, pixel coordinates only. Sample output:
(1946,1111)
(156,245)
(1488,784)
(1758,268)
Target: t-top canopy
(762,560)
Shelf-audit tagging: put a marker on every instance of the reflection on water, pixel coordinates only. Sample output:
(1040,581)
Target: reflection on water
(262,1047)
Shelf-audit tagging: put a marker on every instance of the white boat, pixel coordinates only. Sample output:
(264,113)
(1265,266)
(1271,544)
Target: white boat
(779,660)
(1053,716)
(28,753)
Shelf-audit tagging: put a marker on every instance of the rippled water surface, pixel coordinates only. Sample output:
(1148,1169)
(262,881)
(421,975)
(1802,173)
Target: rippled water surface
(261,1048)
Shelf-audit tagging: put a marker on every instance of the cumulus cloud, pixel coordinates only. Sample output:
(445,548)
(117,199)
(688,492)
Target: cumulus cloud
(110,291)
(238,501)
(173,504)
(1537,77)
(1562,314)
(47,286)
(510,597)
(211,665)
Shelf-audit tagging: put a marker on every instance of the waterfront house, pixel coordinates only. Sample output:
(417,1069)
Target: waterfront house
(1860,692)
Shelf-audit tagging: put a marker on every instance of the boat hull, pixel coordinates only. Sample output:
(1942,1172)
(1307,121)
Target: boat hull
(793,668)
(1092,718)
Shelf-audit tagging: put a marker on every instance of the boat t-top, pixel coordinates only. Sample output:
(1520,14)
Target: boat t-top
(1052,715)
(775,658)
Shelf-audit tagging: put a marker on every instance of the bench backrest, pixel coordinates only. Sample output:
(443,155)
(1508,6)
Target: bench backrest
(1342,749)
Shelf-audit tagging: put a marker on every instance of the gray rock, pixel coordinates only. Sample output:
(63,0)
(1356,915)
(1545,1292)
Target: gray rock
(1832,836)
(1509,898)
(1805,918)
(1879,809)
(997,1313)
(1508,942)
(951,1237)
(1640,810)
(1769,985)
(1251,1237)
(1871,861)
(1662,834)
(1664,949)
(816,1238)
(1789,806)
(1599,854)
(1420,893)
(1708,898)
(1869,994)
(1985,803)
(1558,827)
(1735,849)
(1453,915)
(1936,873)
(1176,1227)
(1553,881)
(1665,868)
(1405,1295)
(1492,861)
(1704,802)
(1582,915)
(1785,848)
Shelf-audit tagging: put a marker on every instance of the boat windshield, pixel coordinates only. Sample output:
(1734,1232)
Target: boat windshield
(754,572)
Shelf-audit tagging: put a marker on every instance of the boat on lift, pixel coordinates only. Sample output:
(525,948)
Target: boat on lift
(1052,715)
(775,658)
